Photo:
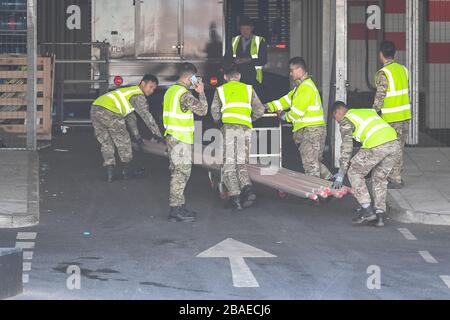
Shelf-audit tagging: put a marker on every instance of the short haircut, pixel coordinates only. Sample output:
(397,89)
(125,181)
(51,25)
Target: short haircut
(338,105)
(232,71)
(187,68)
(299,62)
(150,77)
(387,48)
(245,21)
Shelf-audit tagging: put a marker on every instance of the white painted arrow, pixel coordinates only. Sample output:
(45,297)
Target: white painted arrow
(236,251)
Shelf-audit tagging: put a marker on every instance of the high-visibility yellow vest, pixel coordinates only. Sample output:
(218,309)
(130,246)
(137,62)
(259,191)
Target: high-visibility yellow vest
(236,98)
(254,52)
(177,123)
(305,106)
(118,101)
(397,106)
(370,129)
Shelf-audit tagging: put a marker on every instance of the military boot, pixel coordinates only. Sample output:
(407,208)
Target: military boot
(380,218)
(189,212)
(395,185)
(178,214)
(248,196)
(365,215)
(234,203)
(110,173)
(131,172)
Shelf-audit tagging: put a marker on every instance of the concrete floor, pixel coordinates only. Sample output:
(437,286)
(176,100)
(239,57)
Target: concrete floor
(133,252)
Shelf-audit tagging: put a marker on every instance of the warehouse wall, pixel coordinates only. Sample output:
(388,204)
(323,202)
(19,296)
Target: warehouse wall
(438,65)
(393,28)
(306,35)
(57,23)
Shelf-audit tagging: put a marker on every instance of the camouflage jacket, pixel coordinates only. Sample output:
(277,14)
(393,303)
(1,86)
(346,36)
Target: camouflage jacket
(141,107)
(346,129)
(190,102)
(382,84)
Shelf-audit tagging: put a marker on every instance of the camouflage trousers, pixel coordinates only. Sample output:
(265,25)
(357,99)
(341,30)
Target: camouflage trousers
(180,163)
(111,132)
(236,148)
(380,160)
(311,143)
(402,129)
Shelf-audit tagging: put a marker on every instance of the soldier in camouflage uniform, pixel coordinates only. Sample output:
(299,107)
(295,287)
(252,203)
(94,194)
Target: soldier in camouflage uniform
(307,117)
(380,150)
(236,105)
(180,105)
(110,115)
(392,102)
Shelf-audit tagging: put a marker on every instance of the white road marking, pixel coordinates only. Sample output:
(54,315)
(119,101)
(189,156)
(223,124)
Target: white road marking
(426,255)
(27,266)
(25,245)
(407,234)
(26,235)
(27,255)
(236,251)
(446,279)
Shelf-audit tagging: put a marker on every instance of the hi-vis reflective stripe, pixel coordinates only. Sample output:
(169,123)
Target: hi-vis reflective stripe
(396,109)
(375,129)
(314,108)
(278,105)
(397,93)
(237,105)
(407,73)
(221,95)
(235,43)
(127,93)
(250,94)
(357,119)
(310,119)
(298,112)
(179,128)
(176,99)
(258,41)
(390,79)
(288,117)
(225,105)
(123,98)
(363,126)
(287,99)
(392,92)
(118,106)
(237,116)
(183,116)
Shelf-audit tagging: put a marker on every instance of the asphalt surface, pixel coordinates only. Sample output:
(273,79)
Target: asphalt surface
(131,251)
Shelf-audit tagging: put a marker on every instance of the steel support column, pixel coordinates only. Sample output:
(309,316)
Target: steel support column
(328,36)
(31,80)
(412,63)
(341,69)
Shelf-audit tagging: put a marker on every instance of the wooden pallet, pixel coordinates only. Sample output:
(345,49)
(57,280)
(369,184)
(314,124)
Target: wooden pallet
(13,88)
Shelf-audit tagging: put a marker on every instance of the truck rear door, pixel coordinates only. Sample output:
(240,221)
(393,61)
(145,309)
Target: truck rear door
(159,31)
